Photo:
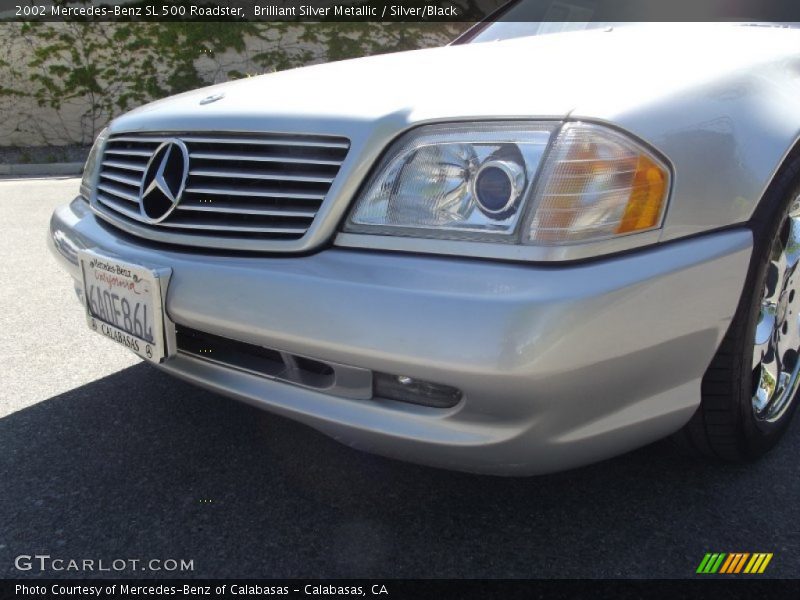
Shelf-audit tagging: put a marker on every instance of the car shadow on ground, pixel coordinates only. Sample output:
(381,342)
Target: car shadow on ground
(140,465)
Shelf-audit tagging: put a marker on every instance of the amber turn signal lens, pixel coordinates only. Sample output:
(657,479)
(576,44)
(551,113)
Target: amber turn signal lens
(648,192)
(597,184)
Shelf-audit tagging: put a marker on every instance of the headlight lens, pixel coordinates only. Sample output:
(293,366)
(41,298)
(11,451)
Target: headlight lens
(91,164)
(454,181)
(597,184)
(493,182)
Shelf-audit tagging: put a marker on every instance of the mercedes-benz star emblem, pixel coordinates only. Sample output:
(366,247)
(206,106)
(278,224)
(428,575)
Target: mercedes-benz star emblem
(164,180)
(212,98)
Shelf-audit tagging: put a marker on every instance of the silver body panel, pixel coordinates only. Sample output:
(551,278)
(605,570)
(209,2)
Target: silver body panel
(560,364)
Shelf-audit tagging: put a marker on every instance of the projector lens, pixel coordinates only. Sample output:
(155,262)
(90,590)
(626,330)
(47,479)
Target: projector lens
(498,185)
(494,189)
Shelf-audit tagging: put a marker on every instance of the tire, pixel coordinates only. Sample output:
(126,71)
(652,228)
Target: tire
(728,425)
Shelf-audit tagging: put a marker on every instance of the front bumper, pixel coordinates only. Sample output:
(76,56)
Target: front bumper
(559,365)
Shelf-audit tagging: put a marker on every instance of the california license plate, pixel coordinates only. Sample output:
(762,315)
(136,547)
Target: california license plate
(124,302)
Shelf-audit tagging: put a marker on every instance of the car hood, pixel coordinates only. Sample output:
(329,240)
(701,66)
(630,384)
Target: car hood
(596,74)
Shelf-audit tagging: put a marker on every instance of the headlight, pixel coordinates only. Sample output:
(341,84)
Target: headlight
(454,181)
(492,182)
(90,168)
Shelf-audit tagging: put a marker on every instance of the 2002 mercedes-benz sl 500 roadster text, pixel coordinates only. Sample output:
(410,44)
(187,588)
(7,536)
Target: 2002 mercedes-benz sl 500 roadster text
(515,254)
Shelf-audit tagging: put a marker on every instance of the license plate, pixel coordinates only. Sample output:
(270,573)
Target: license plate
(124,303)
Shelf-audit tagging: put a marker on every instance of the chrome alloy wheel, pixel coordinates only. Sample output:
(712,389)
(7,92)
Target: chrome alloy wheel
(776,368)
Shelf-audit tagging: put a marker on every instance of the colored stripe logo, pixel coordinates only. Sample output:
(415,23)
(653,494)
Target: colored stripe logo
(734,563)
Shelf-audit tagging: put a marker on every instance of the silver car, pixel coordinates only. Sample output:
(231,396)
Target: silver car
(529,250)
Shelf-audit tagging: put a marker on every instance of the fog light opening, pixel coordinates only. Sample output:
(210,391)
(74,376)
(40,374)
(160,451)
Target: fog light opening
(403,388)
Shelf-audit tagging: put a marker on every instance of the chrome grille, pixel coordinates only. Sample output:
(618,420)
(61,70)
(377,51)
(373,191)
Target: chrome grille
(245,187)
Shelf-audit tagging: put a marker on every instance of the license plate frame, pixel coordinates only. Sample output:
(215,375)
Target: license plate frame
(122,274)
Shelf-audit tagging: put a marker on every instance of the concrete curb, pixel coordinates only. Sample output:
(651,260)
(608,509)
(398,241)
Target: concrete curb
(28,170)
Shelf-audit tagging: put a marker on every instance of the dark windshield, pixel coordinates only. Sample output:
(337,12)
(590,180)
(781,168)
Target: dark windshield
(505,30)
(527,18)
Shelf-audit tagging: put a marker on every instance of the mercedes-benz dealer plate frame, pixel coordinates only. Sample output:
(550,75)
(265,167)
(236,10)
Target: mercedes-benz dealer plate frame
(126,303)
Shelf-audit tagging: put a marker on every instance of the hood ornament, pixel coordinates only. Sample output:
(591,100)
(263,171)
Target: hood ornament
(212,98)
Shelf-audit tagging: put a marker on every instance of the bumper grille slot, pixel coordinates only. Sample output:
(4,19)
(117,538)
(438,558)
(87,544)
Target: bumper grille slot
(257,360)
(332,378)
(239,188)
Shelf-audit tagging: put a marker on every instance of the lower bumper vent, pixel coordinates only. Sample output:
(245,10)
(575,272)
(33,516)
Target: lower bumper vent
(256,359)
(331,378)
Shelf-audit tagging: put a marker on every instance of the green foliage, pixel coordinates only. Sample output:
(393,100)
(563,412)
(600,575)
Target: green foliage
(84,74)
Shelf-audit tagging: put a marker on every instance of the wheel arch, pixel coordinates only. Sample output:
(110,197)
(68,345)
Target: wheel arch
(786,173)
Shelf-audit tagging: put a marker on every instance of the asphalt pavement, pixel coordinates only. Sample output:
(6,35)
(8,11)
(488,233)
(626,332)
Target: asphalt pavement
(105,458)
